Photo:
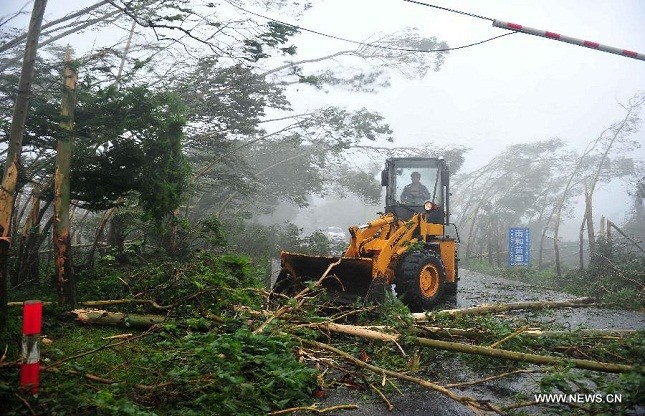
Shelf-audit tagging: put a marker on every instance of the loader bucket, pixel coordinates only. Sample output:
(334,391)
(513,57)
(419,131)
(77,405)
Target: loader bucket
(345,283)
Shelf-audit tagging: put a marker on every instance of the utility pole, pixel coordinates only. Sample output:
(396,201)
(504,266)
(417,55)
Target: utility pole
(12,165)
(62,242)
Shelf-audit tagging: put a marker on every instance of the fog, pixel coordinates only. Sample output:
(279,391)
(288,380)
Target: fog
(515,89)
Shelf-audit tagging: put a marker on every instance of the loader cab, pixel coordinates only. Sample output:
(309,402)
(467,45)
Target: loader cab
(412,182)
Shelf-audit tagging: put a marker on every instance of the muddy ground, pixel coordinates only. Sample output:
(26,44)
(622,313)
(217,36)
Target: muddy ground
(476,289)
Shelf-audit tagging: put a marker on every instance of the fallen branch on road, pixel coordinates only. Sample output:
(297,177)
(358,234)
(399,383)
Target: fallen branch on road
(492,378)
(591,333)
(465,400)
(505,307)
(314,409)
(449,332)
(479,350)
(506,338)
(389,404)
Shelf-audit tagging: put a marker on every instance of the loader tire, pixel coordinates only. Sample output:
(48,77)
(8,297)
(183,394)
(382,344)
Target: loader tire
(451,289)
(450,294)
(421,280)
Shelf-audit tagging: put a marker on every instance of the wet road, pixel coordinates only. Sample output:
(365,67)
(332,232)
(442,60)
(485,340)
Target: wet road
(477,289)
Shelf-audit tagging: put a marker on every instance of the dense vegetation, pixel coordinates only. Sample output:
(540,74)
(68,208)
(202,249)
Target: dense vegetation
(184,141)
(190,365)
(207,358)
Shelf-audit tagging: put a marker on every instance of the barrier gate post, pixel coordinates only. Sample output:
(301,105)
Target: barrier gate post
(31,326)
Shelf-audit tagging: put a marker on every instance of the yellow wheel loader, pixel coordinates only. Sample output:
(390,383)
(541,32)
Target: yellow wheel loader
(407,246)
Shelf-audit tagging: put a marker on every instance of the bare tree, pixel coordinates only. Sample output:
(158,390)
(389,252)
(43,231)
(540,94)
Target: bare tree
(607,141)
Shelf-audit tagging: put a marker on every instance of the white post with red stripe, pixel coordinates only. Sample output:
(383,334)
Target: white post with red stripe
(31,325)
(568,39)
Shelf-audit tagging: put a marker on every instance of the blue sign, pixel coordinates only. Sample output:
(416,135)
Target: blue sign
(519,246)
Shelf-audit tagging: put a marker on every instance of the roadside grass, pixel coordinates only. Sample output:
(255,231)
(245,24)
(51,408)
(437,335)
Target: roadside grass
(190,365)
(619,284)
(227,373)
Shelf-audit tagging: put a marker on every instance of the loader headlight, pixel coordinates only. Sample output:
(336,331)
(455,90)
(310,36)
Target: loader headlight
(429,206)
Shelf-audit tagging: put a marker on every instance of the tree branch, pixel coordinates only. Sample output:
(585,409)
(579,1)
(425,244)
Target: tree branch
(306,61)
(18,40)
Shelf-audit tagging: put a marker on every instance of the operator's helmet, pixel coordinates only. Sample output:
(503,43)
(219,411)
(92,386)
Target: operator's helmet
(417,174)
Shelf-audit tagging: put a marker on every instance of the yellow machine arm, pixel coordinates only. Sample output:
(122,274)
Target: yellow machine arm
(386,238)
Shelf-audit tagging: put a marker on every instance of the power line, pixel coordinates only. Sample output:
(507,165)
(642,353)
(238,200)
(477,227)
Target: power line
(543,33)
(451,10)
(372,45)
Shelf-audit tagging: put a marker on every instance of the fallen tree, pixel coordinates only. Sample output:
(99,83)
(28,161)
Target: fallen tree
(101,317)
(590,333)
(477,349)
(478,334)
(111,302)
(505,307)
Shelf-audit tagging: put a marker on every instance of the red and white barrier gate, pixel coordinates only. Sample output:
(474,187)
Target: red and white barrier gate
(31,325)
(568,39)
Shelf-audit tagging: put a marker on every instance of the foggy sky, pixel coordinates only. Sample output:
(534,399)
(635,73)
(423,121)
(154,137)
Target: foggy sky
(516,89)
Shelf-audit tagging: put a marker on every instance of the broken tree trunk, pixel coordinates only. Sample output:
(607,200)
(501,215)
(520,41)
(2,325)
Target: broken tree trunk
(111,302)
(101,317)
(479,350)
(26,269)
(14,149)
(62,242)
(504,307)
(99,234)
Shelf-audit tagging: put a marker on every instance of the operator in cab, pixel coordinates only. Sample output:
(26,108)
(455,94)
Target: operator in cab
(415,193)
